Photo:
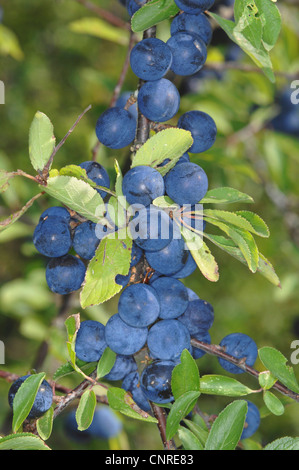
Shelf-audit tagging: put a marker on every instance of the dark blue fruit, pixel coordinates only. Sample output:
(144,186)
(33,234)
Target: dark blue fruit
(172,295)
(203,130)
(123,338)
(187,270)
(159,100)
(252,420)
(85,240)
(116,128)
(194,6)
(131,383)
(241,347)
(43,399)
(56,211)
(198,316)
(167,339)
(151,229)
(150,59)
(195,24)
(189,53)
(122,367)
(52,237)
(90,341)
(134,5)
(142,184)
(97,174)
(186,183)
(139,305)
(170,259)
(65,275)
(155,381)
(122,101)
(105,425)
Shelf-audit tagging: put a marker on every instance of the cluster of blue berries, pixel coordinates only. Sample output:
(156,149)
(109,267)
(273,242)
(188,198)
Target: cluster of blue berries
(69,242)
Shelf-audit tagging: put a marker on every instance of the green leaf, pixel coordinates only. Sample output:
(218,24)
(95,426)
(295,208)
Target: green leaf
(266,380)
(242,239)
(285,443)
(273,403)
(72,324)
(225,196)
(202,255)
(66,369)
(44,424)
(267,270)
(189,440)
(271,22)
(276,363)
(22,441)
(180,408)
(100,29)
(248,22)
(221,385)
(165,202)
(24,399)
(7,222)
(112,257)
(121,401)
(85,410)
(76,195)
(245,220)
(106,363)
(168,144)
(41,141)
(227,427)
(153,13)
(199,430)
(185,376)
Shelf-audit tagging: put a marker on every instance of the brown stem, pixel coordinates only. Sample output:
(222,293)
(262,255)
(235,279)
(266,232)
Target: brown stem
(218,351)
(161,417)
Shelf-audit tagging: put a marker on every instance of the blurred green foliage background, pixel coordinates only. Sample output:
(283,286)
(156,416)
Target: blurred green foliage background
(47,64)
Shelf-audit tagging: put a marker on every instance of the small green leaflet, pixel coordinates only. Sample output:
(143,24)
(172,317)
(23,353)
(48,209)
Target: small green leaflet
(202,255)
(24,399)
(276,363)
(85,410)
(221,385)
(41,141)
(152,13)
(44,425)
(245,220)
(180,408)
(256,29)
(121,401)
(22,441)
(285,443)
(189,440)
(106,363)
(185,376)
(112,257)
(168,144)
(228,426)
(273,403)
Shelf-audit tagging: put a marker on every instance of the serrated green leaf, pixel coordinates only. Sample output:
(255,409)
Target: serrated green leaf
(225,196)
(185,376)
(165,202)
(44,425)
(245,220)
(112,257)
(120,400)
(22,441)
(273,403)
(41,141)
(285,443)
(85,410)
(106,363)
(168,144)
(189,440)
(66,369)
(221,385)
(180,408)
(153,13)
(276,363)
(100,29)
(227,427)
(24,399)
(76,195)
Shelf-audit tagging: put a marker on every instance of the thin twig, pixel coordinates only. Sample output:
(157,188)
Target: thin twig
(106,15)
(161,417)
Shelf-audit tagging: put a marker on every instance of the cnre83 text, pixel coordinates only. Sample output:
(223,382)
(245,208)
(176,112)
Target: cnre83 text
(171,459)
